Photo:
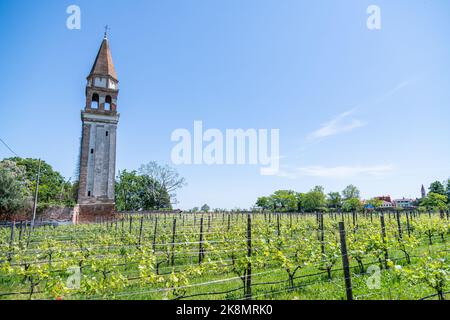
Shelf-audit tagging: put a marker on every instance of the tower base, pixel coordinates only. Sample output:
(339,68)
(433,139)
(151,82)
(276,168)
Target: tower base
(90,213)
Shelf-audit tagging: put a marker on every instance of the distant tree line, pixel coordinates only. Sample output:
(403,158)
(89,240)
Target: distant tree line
(314,200)
(348,200)
(205,208)
(152,187)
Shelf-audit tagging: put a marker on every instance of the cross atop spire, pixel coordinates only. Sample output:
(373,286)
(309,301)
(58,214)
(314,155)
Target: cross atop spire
(105,36)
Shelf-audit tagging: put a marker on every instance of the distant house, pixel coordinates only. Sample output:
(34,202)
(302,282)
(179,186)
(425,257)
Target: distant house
(404,203)
(386,204)
(384,198)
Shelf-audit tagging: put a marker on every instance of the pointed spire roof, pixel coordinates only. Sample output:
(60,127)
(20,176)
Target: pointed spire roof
(103,64)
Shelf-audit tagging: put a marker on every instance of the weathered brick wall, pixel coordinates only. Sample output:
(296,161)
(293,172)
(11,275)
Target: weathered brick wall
(49,214)
(83,161)
(57,214)
(92,213)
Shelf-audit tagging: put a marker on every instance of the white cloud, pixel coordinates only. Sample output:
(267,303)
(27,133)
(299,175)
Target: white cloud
(344,123)
(340,124)
(392,92)
(337,172)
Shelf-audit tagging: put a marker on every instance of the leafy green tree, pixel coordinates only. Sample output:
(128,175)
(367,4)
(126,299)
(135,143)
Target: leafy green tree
(437,187)
(434,201)
(13,190)
(127,189)
(53,188)
(334,200)
(350,192)
(299,196)
(265,203)
(285,200)
(319,189)
(168,178)
(205,208)
(154,196)
(314,199)
(139,192)
(351,197)
(352,204)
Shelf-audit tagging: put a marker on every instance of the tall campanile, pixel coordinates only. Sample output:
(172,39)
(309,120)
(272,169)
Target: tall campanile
(98,142)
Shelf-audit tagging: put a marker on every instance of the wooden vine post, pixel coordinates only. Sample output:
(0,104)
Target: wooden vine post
(200,243)
(399,226)
(154,235)
(248,295)
(174,228)
(140,230)
(348,280)
(383,238)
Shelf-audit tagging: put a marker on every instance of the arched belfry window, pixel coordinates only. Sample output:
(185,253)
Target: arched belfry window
(95,101)
(108,102)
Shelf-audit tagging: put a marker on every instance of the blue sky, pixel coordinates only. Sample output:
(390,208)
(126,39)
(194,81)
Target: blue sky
(370,108)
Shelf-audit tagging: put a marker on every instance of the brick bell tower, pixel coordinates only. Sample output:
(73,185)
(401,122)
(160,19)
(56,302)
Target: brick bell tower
(98,142)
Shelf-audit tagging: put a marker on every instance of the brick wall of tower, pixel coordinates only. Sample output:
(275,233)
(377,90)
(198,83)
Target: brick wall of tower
(112,163)
(82,192)
(86,213)
(97,163)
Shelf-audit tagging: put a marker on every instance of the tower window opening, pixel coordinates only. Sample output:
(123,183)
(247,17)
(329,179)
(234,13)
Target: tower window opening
(108,101)
(95,101)
(106,133)
(89,193)
(92,151)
